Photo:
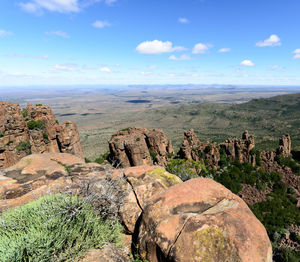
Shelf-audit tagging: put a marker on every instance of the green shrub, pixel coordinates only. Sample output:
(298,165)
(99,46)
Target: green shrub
(24,112)
(286,255)
(102,158)
(38,104)
(24,146)
(53,228)
(152,154)
(9,142)
(87,160)
(2,133)
(36,125)
(45,136)
(138,139)
(289,162)
(56,121)
(186,169)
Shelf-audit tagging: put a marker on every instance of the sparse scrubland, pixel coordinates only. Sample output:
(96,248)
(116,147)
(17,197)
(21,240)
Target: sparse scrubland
(54,228)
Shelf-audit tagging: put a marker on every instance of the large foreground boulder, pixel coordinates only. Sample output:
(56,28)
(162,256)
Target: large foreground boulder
(200,220)
(34,129)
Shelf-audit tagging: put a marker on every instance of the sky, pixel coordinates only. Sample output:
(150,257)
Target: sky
(121,42)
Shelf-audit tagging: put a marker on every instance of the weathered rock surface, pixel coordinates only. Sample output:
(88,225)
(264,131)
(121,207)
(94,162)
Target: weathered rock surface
(285,146)
(17,139)
(34,176)
(233,148)
(144,182)
(200,220)
(139,146)
(109,253)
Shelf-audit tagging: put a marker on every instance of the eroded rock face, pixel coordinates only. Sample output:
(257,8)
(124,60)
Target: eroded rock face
(233,148)
(139,146)
(193,148)
(285,146)
(240,149)
(200,220)
(19,136)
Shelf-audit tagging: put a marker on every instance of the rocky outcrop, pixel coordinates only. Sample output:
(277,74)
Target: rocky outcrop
(209,153)
(34,130)
(240,149)
(200,220)
(139,146)
(193,148)
(285,146)
(168,220)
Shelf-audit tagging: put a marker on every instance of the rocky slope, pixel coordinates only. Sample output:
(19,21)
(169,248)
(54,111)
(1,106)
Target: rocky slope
(165,219)
(34,130)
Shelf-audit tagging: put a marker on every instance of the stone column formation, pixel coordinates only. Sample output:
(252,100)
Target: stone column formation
(18,138)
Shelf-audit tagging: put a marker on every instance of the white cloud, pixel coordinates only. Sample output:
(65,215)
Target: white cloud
(61,6)
(157,47)
(58,33)
(277,67)
(183,20)
(273,40)
(4,33)
(179,58)
(101,24)
(105,70)
(201,48)
(152,67)
(64,67)
(224,50)
(247,63)
(297,54)
(15,55)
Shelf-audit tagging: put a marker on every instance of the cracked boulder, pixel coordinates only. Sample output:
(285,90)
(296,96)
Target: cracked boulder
(200,220)
(143,182)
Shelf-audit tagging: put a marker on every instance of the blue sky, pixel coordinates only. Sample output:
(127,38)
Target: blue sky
(69,42)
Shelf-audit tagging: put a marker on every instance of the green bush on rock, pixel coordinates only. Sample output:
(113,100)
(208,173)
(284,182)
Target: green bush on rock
(36,125)
(53,228)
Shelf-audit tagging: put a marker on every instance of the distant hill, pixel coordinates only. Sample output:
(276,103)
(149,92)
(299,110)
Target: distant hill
(267,119)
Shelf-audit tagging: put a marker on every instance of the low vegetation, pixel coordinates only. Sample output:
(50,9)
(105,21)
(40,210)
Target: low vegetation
(24,146)
(36,125)
(54,228)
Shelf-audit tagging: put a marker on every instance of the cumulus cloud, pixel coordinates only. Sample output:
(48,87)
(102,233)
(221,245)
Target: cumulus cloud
(273,40)
(201,48)
(224,50)
(183,20)
(60,6)
(157,47)
(297,54)
(179,58)
(58,33)
(247,63)
(105,70)
(4,33)
(101,24)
